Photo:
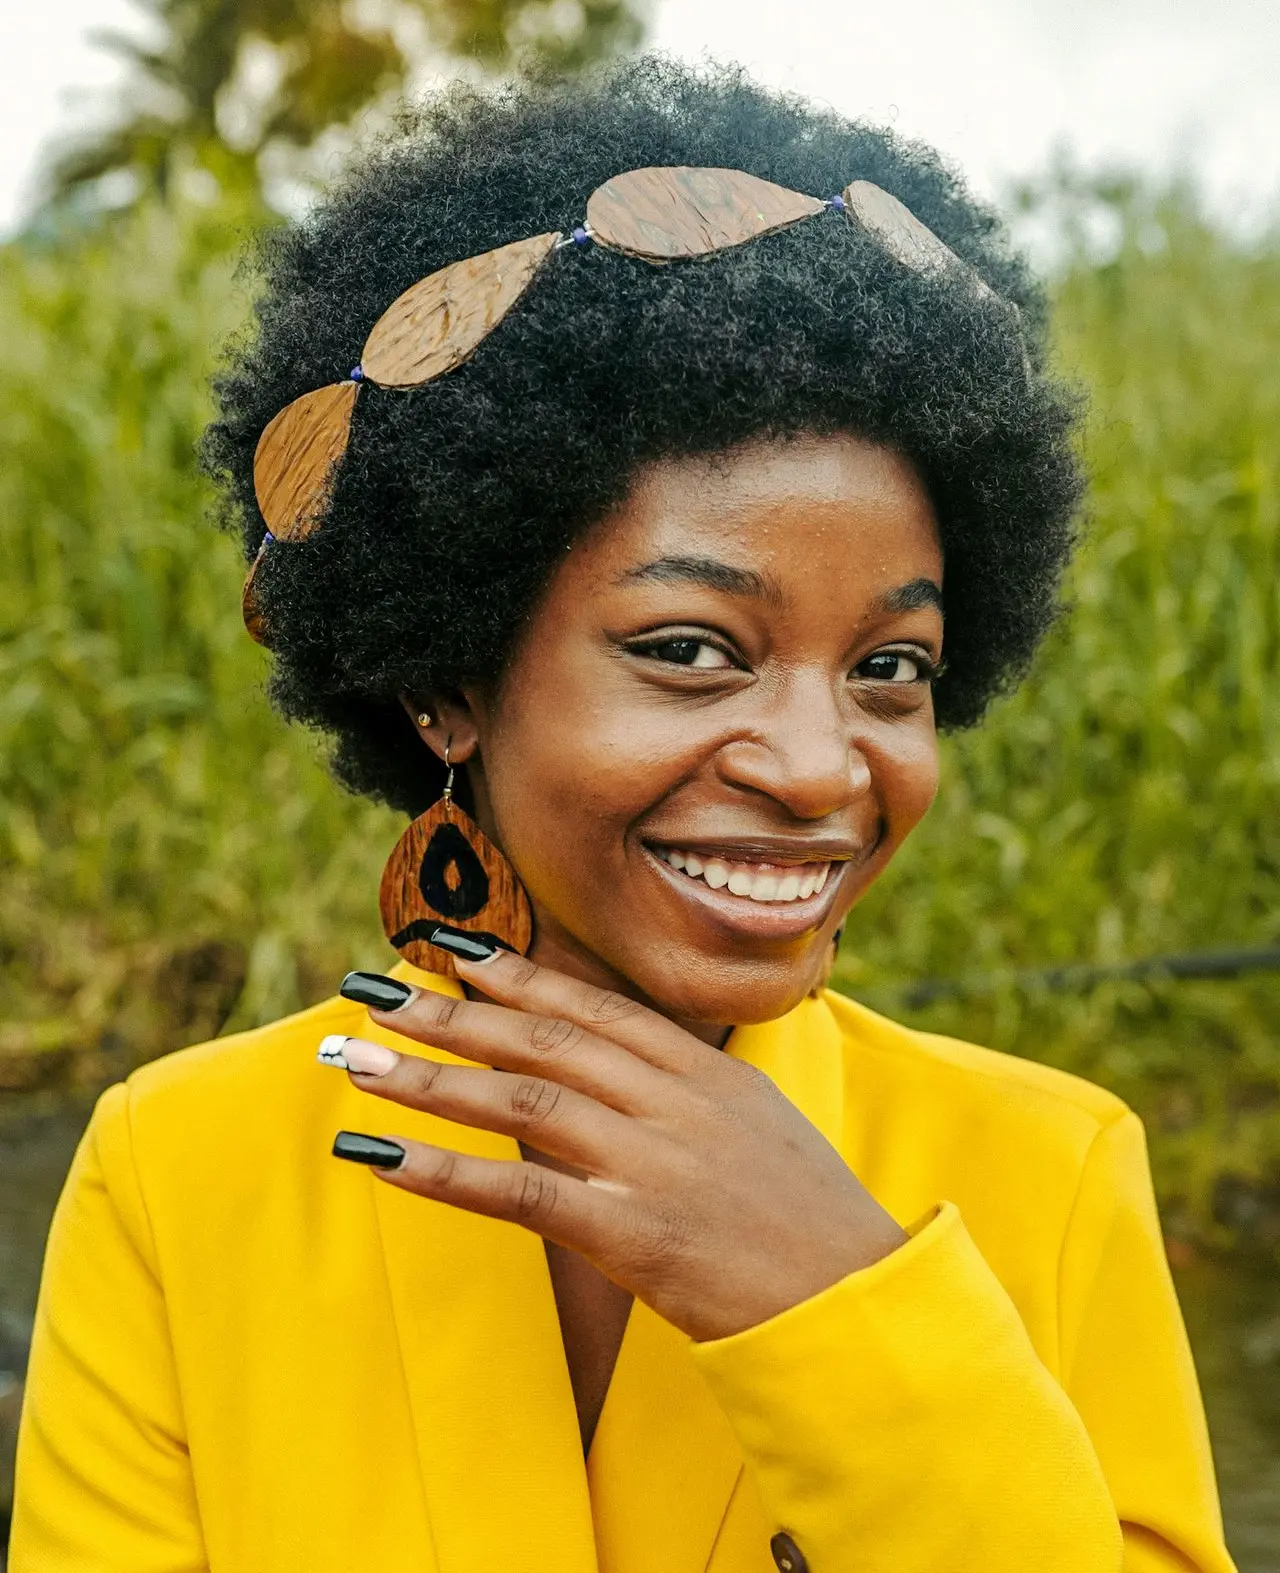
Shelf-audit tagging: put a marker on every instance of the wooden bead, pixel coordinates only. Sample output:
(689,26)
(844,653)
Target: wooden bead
(445,869)
(296,458)
(249,608)
(663,213)
(898,230)
(437,323)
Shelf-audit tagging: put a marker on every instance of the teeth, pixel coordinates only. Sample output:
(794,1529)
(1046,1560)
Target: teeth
(754,881)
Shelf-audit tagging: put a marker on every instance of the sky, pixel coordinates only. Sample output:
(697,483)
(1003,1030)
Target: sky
(997,85)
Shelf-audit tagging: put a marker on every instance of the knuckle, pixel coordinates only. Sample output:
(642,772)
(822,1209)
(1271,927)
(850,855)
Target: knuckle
(551,1037)
(664,1238)
(523,971)
(444,1010)
(445,1168)
(534,1101)
(426,1073)
(607,1009)
(534,1193)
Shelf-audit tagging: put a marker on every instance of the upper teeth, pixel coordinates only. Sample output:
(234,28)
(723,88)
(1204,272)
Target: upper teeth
(756,881)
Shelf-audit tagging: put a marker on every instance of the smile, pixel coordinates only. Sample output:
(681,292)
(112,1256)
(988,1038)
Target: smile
(766,882)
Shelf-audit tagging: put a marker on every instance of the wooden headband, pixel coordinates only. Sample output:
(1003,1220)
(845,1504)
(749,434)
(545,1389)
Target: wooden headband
(659,215)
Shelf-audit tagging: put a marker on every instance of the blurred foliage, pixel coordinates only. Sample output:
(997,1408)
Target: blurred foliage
(1124,802)
(175,860)
(177,863)
(218,83)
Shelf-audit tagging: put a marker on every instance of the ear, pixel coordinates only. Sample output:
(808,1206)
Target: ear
(444,720)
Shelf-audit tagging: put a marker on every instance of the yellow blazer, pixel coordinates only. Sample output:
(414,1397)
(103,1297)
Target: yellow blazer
(250,1358)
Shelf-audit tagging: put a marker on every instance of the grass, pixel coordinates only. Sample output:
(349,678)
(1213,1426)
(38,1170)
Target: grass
(177,863)
(1123,803)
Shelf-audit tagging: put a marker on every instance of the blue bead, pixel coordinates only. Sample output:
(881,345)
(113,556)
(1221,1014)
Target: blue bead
(357,374)
(580,236)
(268,539)
(838,204)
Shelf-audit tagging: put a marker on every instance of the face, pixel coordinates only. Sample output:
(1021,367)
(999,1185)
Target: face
(718,727)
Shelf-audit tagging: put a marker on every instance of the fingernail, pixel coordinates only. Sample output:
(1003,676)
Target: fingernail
(467,945)
(371,988)
(330,1051)
(356,1147)
(357,1054)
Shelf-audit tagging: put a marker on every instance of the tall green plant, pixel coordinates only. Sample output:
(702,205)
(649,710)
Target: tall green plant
(1124,802)
(170,850)
(176,862)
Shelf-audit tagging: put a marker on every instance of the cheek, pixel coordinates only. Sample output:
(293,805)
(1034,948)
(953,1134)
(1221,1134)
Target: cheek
(904,766)
(569,770)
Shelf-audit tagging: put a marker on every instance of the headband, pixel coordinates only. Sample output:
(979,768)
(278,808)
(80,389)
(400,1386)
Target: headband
(659,215)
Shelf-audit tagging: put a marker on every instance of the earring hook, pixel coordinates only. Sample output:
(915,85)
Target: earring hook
(448,780)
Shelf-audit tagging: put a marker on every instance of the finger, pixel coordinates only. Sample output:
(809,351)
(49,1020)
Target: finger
(513,1040)
(515,980)
(572,1212)
(554,1119)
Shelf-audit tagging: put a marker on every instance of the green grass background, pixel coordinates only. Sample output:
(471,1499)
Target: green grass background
(176,862)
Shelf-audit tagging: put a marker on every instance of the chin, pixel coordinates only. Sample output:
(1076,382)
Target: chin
(734,991)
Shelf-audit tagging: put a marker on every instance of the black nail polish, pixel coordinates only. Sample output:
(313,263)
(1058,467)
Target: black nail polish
(464,943)
(371,988)
(358,1148)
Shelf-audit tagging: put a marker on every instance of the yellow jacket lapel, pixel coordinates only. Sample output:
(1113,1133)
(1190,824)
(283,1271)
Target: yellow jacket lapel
(484,1364)
(664,1460)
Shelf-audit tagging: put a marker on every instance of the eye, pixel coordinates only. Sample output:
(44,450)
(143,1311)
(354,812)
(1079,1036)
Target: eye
(897,666)
(687,651)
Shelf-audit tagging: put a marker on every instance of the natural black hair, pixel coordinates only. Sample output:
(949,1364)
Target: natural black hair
(455,502)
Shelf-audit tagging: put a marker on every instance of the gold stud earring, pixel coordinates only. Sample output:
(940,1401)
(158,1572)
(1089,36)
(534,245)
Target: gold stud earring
(424,719)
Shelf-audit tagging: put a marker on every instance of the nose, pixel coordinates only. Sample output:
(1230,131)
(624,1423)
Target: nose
(802,750)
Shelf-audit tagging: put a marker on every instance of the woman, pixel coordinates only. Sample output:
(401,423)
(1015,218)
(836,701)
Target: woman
(620,563)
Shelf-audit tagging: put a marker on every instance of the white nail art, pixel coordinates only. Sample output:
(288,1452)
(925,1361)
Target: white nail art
(330,1051)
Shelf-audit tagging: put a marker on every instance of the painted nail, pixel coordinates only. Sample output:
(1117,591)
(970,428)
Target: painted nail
(467,945)
(371,988)
(370,1059)
(356,1147)
(330,1051)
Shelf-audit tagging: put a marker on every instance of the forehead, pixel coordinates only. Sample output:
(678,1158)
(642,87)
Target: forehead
(796,510)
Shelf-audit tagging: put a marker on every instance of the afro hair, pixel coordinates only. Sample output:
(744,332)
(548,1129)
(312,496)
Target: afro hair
(454,502)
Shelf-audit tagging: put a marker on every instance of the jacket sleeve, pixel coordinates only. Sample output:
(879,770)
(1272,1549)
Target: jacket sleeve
(103,1475)
(1127,1364)
(901,1422)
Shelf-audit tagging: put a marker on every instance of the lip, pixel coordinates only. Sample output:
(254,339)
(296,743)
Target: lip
(739,915)
(780,850)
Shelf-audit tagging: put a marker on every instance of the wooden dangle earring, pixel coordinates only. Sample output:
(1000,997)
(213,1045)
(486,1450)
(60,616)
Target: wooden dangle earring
(444,869)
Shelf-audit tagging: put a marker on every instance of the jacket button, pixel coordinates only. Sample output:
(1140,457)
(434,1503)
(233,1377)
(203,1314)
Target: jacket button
(787,1555)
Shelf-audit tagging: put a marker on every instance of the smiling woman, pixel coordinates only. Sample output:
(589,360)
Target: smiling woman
(624,562)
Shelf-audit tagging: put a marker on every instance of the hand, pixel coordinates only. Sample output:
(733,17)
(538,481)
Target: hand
(703,1191)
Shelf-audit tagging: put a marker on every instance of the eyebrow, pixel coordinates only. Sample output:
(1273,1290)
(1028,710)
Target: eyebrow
(746,582)
(910,597)
(712,575)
